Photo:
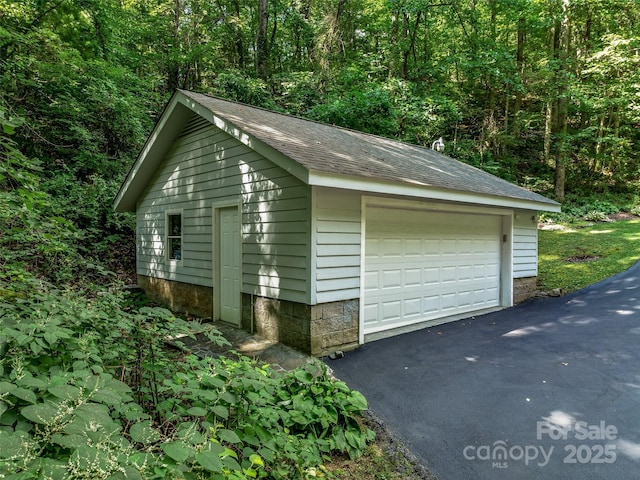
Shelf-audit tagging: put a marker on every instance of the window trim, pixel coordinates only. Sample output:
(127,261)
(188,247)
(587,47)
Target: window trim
(168,237)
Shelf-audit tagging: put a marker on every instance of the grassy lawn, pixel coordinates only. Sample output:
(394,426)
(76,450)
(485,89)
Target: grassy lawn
(581,255)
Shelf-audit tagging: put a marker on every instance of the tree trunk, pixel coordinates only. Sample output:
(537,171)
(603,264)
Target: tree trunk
(562,150)
(410,51)
(616,135)
(520,68)
(489,137)
(393,65)
(548,128)
(332,40)
(272,39)
(262,46)
(239,43)
(173,68)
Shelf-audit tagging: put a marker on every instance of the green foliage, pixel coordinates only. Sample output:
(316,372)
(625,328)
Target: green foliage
(297,92)
(292,422)
(596,216)
(242,88)
(424,114)
(29,237)
(368,111)
(91,75)
(65,411)
(87,202)
(593,209)
(81,121)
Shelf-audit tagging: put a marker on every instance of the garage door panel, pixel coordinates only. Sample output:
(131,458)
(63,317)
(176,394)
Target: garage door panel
(465,273)
(430,305)
(413,247)
(431,276)
(448,274)
(413,307)
(421,266)
(429,247)
(391,279)
(370,315)
(413,277)
(392,247)
(465,299)
(391,310)
(466,247)
(372,281)
(448,302)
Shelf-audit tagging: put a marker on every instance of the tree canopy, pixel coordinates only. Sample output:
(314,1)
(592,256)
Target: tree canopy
(541,92)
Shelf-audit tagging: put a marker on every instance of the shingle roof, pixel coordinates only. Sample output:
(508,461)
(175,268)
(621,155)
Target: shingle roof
(330,149)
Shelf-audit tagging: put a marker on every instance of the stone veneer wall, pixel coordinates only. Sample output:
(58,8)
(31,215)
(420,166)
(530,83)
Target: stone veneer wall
(314,329)
(523,289)
(178,296)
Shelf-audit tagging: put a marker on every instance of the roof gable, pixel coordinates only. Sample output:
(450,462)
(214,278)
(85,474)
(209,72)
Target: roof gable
(322,154)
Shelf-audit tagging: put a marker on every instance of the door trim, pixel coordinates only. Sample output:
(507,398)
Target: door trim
(216,255)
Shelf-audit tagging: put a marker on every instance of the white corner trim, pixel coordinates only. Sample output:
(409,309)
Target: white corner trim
(363,238)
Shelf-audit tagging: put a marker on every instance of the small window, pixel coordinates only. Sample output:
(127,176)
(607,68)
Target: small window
(174,236)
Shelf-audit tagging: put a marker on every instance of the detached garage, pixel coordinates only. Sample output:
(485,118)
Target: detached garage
(320,237)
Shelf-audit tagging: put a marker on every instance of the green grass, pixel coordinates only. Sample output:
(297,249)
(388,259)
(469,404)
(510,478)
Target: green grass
(598,251)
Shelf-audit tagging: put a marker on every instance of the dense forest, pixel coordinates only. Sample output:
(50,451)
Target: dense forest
(540,92)
(544,93)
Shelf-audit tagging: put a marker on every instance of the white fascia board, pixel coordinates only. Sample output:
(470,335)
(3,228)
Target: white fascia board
(270,153)
(389,188)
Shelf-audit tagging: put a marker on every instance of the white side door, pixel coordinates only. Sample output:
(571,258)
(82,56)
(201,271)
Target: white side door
(229,265)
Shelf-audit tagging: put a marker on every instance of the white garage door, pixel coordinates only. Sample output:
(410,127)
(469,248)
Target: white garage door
(422,266)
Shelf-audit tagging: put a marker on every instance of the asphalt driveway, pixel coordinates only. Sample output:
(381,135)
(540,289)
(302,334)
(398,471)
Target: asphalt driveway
(547,389)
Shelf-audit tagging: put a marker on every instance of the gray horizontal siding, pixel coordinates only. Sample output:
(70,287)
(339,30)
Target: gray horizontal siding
(337,238)
(525,245)
(205,166)
(196,264)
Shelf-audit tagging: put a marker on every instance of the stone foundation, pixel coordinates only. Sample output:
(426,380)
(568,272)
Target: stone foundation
(523,289)
(178,296)
(314,329)
(317,330)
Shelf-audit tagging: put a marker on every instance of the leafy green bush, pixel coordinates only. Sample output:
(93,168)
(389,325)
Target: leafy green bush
(544,186)
(592,209)
(595,216)
(634,210)
(89,389)
(30,239)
